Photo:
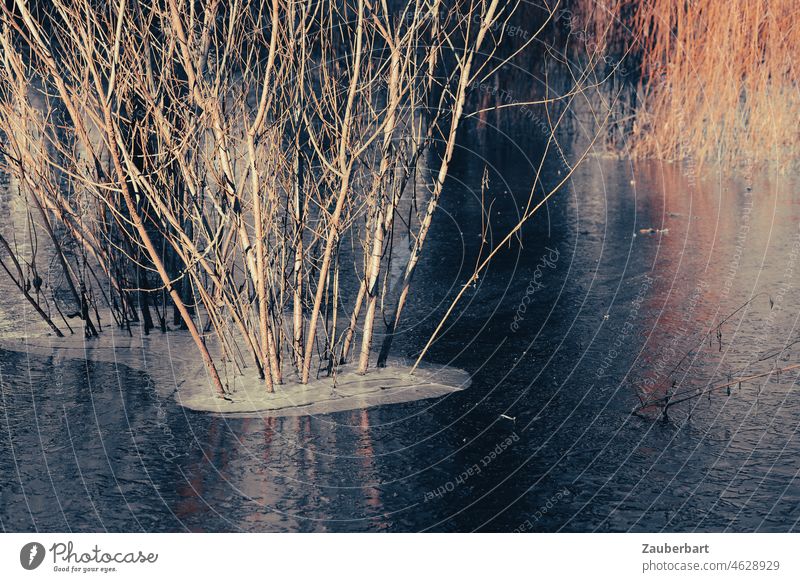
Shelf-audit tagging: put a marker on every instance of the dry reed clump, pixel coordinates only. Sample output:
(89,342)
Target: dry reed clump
(718,79)
(236,162)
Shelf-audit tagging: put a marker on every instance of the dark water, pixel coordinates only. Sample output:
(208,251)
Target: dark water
(570,320)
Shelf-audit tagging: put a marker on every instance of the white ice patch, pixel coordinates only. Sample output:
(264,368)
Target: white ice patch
(172,361)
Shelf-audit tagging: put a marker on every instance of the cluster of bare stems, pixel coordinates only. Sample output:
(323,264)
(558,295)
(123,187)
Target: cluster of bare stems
(235,162)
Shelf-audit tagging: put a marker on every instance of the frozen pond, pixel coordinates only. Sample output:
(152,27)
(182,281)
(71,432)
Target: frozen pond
(559,335)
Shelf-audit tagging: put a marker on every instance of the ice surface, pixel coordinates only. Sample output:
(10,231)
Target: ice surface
(172,361)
